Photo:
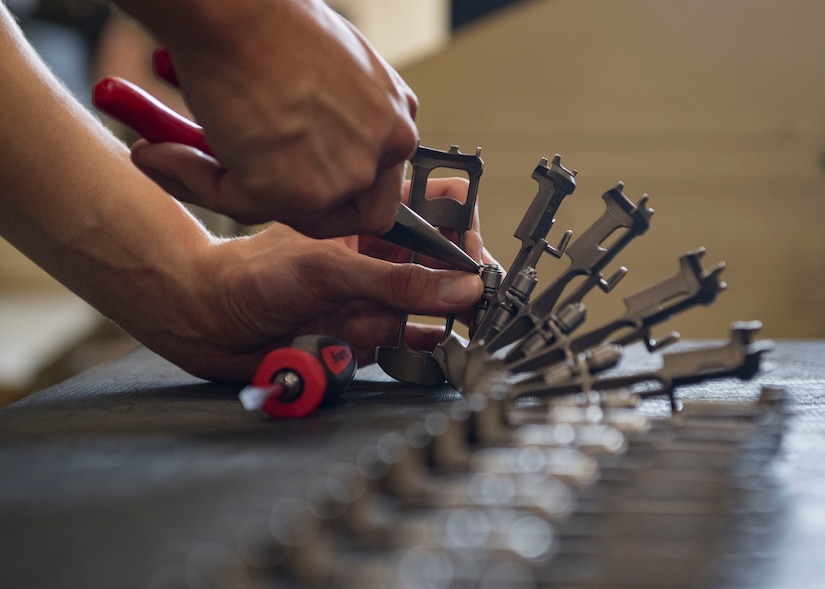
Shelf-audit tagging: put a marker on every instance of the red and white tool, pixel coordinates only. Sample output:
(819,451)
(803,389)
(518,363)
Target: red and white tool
(293,382)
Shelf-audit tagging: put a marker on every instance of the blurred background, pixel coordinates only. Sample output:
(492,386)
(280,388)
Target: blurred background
(715,108)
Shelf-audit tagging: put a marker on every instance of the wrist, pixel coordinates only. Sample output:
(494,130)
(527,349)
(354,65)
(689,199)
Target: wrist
(163,295)
(215,334)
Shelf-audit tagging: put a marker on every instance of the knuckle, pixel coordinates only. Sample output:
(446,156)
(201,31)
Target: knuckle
(360,175)
(395,134)
(404,139)
(412,104)
(373,223)
(376,215)
(379,225)
(413,284)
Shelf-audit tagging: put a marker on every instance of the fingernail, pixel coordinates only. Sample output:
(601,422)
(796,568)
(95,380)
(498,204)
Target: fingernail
(464,289)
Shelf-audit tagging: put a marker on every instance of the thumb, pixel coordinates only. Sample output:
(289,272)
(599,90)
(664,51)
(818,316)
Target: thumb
(408,287)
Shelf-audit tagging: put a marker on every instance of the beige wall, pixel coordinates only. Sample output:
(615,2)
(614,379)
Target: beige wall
(716,108)
(18,273)
(403,32)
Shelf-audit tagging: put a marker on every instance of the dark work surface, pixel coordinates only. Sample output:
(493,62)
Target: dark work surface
(112,477)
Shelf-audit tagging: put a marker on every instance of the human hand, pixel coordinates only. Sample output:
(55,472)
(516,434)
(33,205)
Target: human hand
(263,291)
(272,287)
(212,306)
(315,135)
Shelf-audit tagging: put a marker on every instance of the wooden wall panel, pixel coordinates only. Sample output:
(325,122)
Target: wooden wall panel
(714,108)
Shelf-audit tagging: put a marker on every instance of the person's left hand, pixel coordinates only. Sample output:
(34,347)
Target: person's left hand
(260,292)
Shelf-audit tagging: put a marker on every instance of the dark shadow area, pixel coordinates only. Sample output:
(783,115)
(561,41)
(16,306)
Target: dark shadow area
(467,11)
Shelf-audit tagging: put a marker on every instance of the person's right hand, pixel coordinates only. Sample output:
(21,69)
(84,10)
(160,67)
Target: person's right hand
(311,126)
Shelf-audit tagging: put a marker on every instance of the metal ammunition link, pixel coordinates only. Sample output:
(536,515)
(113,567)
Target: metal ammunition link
(491,276)
(515,298)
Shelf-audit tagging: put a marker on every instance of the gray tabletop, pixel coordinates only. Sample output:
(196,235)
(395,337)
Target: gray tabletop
(117,475)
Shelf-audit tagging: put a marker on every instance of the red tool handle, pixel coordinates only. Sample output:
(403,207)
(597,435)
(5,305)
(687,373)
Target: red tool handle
(162,64)
(325,366)
(144,114)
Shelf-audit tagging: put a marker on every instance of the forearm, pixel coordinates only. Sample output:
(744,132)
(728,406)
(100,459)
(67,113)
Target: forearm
(73,203)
